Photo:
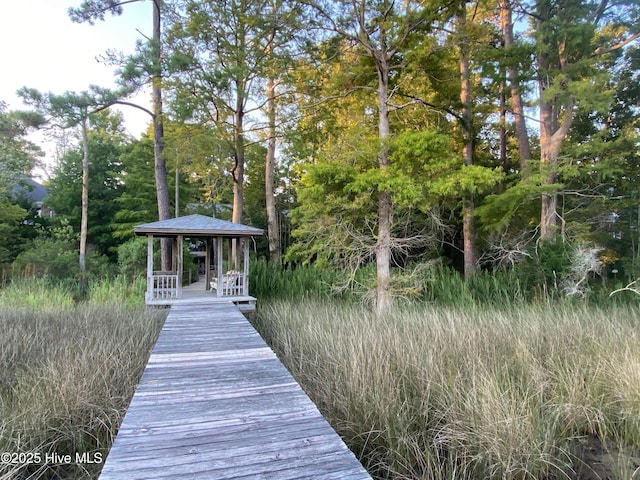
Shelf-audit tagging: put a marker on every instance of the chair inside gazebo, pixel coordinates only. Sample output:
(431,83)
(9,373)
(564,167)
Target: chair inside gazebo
(228,273)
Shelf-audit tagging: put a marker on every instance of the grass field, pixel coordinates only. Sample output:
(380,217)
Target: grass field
(423,392)
(444,393)
(67,373)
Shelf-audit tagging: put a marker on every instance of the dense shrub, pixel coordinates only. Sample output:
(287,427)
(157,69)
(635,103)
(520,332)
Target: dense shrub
(132,257)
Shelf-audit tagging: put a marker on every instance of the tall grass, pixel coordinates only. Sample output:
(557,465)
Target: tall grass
(433,392)
(67,374)
(36,293)
(119,290)
(267,280)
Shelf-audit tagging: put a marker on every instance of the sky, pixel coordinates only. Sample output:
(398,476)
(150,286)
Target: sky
(41,48)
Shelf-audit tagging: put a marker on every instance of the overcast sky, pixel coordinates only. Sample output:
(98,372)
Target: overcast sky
(41,48)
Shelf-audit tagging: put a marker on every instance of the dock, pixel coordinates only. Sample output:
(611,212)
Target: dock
(214,402)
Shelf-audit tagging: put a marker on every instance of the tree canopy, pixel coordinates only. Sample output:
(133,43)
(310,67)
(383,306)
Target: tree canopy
(386,134)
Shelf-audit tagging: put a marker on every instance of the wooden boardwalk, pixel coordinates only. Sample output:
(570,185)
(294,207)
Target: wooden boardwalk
(214,402)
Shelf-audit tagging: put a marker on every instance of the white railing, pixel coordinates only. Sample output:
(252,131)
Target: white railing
(233,284)
(165,286)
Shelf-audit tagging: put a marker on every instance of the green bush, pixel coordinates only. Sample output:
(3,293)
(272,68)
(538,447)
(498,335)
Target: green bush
(58,260)
(47,257)
(132,257)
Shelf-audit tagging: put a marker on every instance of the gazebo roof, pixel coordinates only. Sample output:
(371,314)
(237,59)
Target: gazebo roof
(197,226)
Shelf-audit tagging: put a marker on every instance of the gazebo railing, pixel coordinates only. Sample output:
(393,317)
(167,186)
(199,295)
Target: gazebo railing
(165,286)
(234,284)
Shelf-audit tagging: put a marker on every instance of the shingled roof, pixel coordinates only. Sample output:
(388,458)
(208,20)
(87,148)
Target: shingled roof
(197,226)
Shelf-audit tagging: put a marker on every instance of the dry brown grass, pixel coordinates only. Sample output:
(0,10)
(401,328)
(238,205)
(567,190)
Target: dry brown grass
(67,374)
(445,393)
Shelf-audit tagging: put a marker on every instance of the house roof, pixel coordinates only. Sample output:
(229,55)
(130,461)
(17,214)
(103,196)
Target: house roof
(197,226)
(31,190)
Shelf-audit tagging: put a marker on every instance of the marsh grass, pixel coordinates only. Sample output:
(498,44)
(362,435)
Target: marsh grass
(267,281)
(67,373)
(435,392)
(119,290)
(39,294)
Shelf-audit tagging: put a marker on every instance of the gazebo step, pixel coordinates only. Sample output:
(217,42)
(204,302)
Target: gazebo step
(246,304)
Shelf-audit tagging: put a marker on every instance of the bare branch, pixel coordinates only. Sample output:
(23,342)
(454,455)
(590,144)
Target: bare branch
(628,288)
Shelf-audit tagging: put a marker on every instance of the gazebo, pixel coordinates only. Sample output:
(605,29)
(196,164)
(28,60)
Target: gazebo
(226,275)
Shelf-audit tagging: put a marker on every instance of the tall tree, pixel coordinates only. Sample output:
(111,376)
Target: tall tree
(466,117)
(514,83)
(273,228)
(106,141)
(92,10)
(71,110)
(378,29)
(219,60)
(569,37)
(287,31)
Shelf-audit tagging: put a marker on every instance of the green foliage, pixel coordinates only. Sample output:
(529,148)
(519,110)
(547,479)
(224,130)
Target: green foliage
(428,160)
(56,257)
(486,289)
(106,142)
(138,202)
(270,281)
(336,204)
(336,217)
(132,258)
(516,205)
(10,217)
(37,294)
(120,290)
(17,155)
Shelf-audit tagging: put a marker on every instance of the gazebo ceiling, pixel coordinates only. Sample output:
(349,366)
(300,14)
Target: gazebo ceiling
(196,226)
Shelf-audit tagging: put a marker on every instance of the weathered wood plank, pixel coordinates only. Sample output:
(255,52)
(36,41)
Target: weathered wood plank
(215,402)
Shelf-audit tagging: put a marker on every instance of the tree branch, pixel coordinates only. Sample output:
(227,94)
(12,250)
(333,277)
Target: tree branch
(602,50)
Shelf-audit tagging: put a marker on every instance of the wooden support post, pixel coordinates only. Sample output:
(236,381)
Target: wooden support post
(219,271)
(245,287)
(179,265)
(149,295)
(207,264)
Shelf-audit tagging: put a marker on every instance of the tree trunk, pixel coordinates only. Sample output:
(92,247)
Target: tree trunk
(524,148)
(468,221)
(548,165)
(273,228)
(552,130)
(238,124)
(238,169)
(552,135)
(162,182)
(385,204)
(84,223)
(504,159)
